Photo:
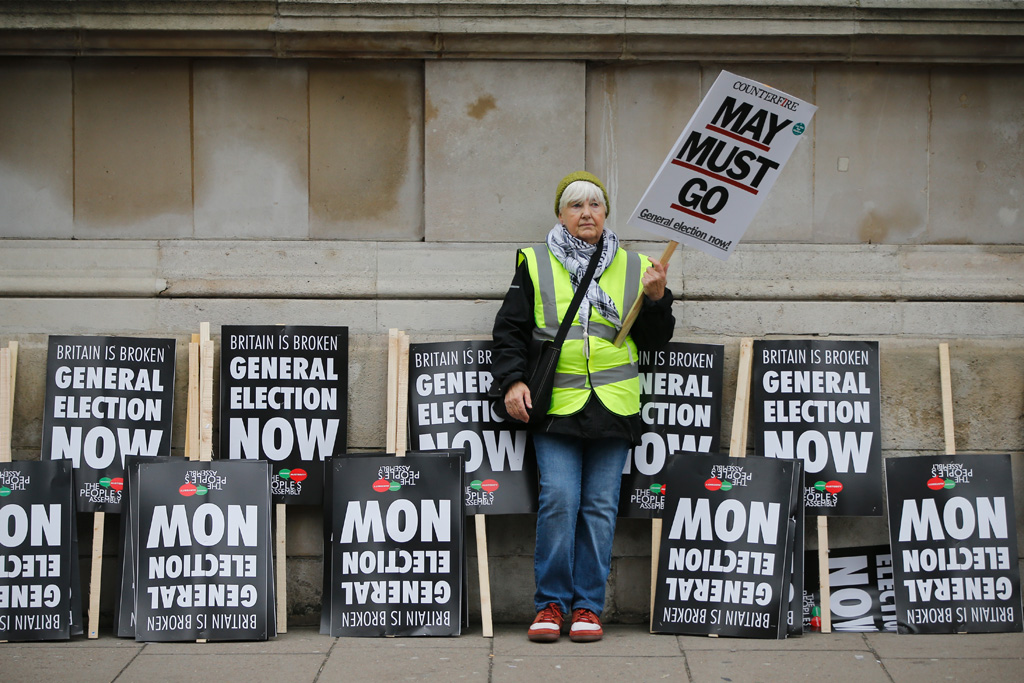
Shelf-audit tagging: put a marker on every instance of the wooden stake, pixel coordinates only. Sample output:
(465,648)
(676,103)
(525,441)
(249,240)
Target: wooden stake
(391,438)
(824,584)
(6,404)
(741,407)
(205,393)
(96,571)
(656,527)
(192,404)
(282,568)
(484,575)
(630,318)
(947,399)
(402,395)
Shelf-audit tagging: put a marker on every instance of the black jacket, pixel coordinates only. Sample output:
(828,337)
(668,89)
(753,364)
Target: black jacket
(515,351)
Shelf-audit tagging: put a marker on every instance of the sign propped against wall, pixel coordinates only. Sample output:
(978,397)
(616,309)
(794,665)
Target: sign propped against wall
(106,398)
(38,553)
(954,543)
(681,407)
(726,548)
(449,408)
(861,590)
(203,549)
(819,402)
(728,157)
(284,398)
(395,546)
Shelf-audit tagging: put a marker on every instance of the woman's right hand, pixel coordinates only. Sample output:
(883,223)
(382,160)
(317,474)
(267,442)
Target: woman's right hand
(517,402)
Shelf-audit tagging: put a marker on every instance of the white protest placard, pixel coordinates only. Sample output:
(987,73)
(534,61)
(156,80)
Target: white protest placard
(718,172)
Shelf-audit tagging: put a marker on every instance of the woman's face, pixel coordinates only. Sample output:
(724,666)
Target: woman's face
(584,219)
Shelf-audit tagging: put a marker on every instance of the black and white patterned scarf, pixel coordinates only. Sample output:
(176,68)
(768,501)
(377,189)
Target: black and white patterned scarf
(574,255)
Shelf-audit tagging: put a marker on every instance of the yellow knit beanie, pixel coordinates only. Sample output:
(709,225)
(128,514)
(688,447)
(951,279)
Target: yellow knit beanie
(580,175)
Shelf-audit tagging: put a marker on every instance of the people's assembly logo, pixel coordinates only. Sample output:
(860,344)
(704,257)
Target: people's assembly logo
(650,498)
(948,475)
(288,481)
(12,480)
(201,482)
(832,486)
(403,475)
(106,490)
(480,492)
(725,477)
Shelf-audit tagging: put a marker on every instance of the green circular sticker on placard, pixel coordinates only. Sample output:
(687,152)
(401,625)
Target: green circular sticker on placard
(798,129)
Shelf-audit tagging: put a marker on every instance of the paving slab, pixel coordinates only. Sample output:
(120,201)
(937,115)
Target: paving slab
(740,667)
(969,646)
(439,663)
(936,670)
(251,668)
(296,641)
(620,640)
(63,662)
(809,642)
(553,669)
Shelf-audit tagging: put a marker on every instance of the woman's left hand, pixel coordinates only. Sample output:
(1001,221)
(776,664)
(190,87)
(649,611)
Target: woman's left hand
(654,280)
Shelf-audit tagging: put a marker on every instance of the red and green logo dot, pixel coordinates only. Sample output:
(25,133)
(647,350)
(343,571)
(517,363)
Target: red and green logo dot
(658,489)
(4,492)
(488,485)
(829,486)
(189,489)
(716,484)
(938,483)
(382,485)
(294,475)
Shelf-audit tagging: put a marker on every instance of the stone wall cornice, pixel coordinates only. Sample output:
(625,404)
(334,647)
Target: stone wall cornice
(979,31)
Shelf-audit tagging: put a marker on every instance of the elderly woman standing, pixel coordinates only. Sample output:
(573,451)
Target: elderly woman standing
(582,439)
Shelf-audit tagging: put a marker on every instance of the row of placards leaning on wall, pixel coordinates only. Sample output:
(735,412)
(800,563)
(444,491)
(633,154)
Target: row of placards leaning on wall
(196,559)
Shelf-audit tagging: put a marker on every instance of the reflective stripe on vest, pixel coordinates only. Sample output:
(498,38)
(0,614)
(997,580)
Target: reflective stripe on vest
(609,372)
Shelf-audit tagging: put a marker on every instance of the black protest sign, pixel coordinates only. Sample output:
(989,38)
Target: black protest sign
(106,398)
(449,409)
(724,566)
(124,614)
(953,534)
(284,398)
(860,590)
(794,624)
(203,548)
(396,546)
(37,573)
(681,407)
(818,401)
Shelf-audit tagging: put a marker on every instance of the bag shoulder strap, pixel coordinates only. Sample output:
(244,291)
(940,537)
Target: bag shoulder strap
(563,329)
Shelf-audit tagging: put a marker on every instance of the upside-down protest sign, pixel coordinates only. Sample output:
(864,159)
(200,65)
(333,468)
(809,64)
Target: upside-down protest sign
(728,157)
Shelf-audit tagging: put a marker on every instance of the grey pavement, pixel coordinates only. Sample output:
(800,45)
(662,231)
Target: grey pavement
(628,652)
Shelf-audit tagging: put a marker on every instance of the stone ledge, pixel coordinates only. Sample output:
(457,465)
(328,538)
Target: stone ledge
(727,30)
(353,271)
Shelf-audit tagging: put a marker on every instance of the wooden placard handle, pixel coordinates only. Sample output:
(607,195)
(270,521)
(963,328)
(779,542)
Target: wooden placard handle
(627,324)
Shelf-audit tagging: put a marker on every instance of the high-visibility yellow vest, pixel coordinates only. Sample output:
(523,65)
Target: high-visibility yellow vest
(609,372)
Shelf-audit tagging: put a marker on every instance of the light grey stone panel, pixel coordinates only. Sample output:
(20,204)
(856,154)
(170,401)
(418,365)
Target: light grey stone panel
(133,158)
(366,150)
(635,113)
(977,156)
(91,268)
(36,160)
(251,149)
(286,268)
(871,162)
(498,136)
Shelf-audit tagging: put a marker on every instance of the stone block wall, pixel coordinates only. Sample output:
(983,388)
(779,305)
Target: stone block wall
(375,165)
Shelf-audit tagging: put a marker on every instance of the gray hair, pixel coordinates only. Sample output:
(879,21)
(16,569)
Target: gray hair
(581,190)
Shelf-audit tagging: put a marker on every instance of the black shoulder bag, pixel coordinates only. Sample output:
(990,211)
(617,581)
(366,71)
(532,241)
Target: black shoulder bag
(542,378)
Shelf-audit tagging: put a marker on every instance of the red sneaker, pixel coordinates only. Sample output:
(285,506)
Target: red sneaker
(586,627)
(547,625)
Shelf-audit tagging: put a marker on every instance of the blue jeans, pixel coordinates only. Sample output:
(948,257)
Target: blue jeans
(579,501)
